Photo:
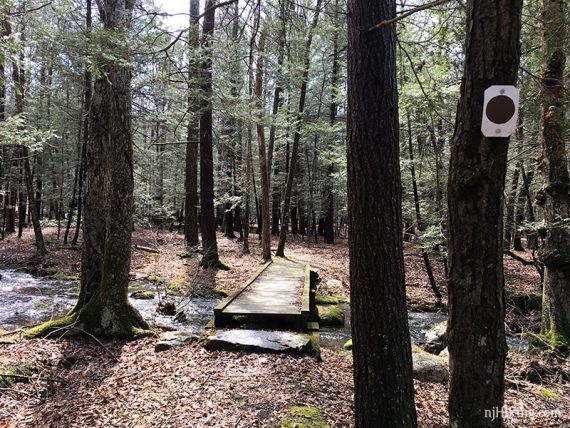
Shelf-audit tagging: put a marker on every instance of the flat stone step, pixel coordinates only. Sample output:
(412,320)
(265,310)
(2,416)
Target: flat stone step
(260,341)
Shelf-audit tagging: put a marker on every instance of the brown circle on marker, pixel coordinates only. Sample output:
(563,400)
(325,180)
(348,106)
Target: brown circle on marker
(500,109)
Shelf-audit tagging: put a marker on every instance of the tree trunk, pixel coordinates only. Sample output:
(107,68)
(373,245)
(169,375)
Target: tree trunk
(297,136)
(265,231)
(554,198)
(191,172)
(73,202)
(383,392)
(329,180)
(419,223)
(247,191)
(511,204)
(19,76)
(510,207)
(476,184)
(208,220)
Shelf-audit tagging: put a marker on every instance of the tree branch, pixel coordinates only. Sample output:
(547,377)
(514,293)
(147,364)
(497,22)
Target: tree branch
(406,14)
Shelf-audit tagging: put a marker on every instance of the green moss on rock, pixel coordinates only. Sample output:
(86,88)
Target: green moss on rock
(142,295)
(304,417)
(331,315)
(158,279)
(331,300)
(178,285)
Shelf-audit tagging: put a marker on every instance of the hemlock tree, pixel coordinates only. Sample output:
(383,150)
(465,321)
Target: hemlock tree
(476,184)
(554,197)
(103,308)
(384,394)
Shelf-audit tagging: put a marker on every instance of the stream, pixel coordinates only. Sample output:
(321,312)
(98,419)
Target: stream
(28,300)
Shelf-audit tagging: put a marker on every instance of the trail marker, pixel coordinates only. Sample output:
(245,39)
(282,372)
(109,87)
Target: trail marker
(500,111)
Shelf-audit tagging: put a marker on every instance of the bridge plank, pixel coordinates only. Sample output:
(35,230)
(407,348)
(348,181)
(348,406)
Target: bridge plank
(280,288)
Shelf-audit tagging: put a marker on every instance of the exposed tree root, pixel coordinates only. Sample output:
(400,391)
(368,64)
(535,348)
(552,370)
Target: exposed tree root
(97,320)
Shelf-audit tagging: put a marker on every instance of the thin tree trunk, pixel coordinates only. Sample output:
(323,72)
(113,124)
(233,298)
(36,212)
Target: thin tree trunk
(73,202)
(297,136)
(265,231)
(18,76)
(329,180)
(419,222)
(191,171)
(247,192)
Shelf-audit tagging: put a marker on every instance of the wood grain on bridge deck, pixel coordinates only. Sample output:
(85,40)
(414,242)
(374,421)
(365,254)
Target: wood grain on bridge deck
(279,289)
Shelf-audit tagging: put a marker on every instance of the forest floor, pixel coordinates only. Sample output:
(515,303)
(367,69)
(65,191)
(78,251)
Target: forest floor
(80,382)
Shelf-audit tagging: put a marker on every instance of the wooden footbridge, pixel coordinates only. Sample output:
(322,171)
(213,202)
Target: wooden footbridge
(278,292)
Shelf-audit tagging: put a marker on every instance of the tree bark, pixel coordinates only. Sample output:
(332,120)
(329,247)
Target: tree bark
(554,197)
(191,172)
(383,390)
(476,184)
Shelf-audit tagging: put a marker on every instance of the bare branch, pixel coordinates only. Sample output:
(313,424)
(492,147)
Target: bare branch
(406,14)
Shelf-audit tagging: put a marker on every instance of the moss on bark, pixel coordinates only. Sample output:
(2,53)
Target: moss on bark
(95,319)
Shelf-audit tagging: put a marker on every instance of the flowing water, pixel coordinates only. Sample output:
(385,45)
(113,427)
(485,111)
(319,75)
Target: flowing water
(419,324)
(27,300)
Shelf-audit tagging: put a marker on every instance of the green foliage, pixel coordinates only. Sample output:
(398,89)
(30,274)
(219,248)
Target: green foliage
(16,131)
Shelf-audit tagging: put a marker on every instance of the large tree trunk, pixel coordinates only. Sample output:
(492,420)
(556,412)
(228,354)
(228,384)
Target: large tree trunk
(476,183)
(382,354)
(208,215)
(103,308)
(297,135)
(191,177)
(554,198)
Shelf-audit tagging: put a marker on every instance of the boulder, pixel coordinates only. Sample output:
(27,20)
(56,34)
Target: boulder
(142,295)
(334,284)
(436,338)
(171,339)
(428,367)
(331,315)
(260,341)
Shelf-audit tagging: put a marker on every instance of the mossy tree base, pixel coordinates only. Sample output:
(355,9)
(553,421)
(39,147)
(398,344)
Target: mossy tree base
(213,264)
(556,339)
(97,320)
